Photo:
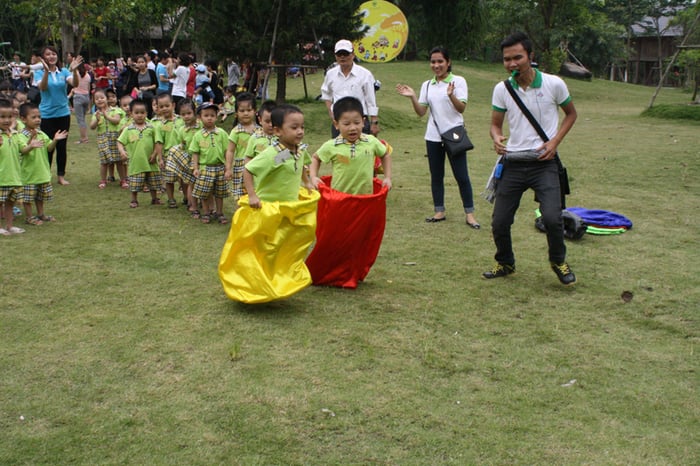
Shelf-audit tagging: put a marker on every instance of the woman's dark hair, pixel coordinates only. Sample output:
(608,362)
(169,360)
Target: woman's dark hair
(518,38)
(442,51)
(184,59)
(211,63)
(59,63)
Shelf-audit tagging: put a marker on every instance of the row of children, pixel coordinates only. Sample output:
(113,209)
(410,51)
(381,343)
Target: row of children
(25,176)
(211,165)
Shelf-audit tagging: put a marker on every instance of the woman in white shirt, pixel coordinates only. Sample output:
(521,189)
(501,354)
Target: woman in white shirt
(446,97)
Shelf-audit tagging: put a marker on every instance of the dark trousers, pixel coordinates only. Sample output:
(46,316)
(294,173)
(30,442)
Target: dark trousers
(436,163)
(517,177)
(50,126)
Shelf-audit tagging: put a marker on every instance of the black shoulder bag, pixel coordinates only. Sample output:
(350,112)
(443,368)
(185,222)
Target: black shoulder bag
(454,139)
(563,175)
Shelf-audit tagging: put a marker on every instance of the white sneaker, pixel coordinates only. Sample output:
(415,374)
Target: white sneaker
(4,232)
(15,230)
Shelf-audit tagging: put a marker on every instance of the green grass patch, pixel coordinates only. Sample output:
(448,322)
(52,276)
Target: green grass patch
(120,347)
(687,112)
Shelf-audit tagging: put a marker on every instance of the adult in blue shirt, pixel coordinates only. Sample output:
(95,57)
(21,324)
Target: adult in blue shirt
(55,112)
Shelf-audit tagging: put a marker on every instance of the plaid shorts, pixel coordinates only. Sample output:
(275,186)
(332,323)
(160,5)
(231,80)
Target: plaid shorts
(154,180)
(237,188)
(10,193)
(170,172)
(37,192)
(211,181)
(107,147)
(180,161)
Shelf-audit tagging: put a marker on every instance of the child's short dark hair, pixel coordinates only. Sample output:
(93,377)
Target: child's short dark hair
(267,106)
(346,104)
(27,107)
(136,102)
(5,103)
(186,103)
(280,112)
(109,91)
(165,96)
(99,91)
(6,86)
(230,89)
(245,97)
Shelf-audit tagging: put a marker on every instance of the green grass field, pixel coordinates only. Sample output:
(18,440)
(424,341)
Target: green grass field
(120,347)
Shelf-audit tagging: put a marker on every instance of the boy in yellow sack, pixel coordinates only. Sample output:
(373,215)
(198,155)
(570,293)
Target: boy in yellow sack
(263,258)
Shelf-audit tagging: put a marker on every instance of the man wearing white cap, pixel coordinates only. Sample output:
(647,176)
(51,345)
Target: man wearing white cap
(350,79)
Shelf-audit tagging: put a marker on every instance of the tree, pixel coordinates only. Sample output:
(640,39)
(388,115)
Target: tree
(244,29)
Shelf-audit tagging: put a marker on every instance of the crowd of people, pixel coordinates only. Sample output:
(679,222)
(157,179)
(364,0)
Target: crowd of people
(156,119)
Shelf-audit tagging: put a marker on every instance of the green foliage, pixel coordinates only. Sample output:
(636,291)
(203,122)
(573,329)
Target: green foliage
(249,27)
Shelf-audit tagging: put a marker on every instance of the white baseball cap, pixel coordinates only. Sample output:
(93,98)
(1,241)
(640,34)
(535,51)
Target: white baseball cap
(344,45)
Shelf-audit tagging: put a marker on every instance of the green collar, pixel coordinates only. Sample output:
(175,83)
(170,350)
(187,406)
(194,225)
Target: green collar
(537,82)
(448,79)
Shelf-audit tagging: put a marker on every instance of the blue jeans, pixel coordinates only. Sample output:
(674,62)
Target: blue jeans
(436,163)
(517,177)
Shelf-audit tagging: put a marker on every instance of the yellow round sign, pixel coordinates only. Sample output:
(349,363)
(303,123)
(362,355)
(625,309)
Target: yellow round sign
(386,35)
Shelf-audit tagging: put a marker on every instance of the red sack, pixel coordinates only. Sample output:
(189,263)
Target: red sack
(349,233)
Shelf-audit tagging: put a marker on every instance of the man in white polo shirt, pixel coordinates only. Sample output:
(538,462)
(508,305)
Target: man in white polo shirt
(350,79)
(529,162)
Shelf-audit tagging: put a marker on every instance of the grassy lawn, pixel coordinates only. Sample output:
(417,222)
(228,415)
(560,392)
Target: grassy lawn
(120,347)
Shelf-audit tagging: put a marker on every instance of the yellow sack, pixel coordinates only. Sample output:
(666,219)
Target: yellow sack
(263,258)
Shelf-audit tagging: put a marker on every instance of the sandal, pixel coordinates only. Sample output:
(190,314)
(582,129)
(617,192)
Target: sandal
(205,219)
(223,220)
(33,221)
(124,184)
(46,218)
(103,184)
(133,204)
(172,204)
(195,214)
(156,201)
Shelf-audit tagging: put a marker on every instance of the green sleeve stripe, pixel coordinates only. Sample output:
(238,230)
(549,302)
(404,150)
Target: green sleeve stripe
(498,109)
(566,102)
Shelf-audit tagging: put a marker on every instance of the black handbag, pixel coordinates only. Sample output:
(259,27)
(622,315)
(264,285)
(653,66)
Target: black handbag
(455,140)
(563,174)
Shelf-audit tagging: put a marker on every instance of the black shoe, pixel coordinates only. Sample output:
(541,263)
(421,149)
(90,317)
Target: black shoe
(500,270)
(564,273)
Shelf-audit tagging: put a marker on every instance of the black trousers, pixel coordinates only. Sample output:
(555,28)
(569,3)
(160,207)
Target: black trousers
(50,126)
(517,177)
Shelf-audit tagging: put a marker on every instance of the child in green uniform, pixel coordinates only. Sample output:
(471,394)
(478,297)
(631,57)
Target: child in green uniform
(168,123)
(179,158)
(229,107)
(243,129)
(260,142)
(107,121)
(137,144)
(277,172)
(113,102)
(352,153)
(208,149)
(10,171)
(34,147)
